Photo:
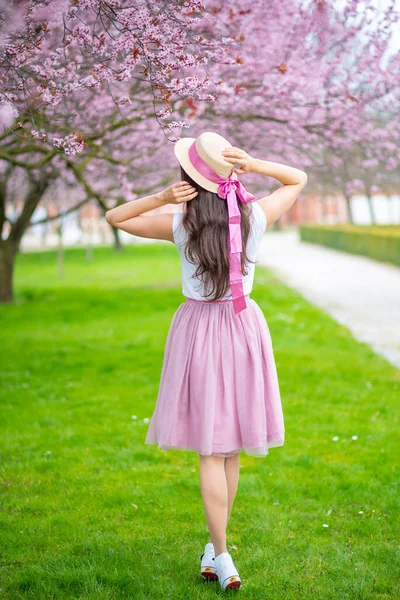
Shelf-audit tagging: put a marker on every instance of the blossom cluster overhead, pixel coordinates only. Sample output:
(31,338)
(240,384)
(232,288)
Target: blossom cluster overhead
(308,82)
(56,55)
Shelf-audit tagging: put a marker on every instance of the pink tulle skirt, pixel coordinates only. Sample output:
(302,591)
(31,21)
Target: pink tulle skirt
(219,391)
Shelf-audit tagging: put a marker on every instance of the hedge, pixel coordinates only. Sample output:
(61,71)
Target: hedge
(380,242)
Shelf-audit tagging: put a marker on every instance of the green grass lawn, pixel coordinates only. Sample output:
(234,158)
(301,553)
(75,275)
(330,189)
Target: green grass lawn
(88,511)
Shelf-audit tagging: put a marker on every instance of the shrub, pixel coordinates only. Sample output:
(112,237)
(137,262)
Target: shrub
(380,242)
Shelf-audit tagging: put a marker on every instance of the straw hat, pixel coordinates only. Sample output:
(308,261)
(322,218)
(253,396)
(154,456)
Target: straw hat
(209,146)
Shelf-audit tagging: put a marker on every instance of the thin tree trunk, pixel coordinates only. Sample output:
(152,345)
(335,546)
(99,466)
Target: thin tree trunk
(7,261)
(60,252)
(117,241)
(371,209)
(349,208)
(390,209)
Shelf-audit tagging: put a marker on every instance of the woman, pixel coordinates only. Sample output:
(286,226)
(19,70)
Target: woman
(219,391)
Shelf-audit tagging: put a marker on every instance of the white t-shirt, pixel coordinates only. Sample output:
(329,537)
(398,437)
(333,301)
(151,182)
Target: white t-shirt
(192,287)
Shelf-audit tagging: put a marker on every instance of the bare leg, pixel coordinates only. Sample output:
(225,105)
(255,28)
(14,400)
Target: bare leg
(232,465)
(214,492)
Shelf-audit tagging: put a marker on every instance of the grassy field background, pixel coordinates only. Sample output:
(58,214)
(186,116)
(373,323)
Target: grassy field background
(88,511)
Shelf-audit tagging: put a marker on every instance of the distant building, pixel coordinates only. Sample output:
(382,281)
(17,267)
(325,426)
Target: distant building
(315,208)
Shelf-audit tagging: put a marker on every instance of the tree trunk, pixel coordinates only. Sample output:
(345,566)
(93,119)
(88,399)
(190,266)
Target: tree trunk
(349,208)
(117,241)
(390,206)
(7,261)
(10,246)
(89,244)
(60,252)
(371,209)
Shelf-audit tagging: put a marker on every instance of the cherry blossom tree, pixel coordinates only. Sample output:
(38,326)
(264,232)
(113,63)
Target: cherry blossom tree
(96,91)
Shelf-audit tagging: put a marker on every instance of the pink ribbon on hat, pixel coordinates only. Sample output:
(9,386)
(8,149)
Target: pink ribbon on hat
(228,189)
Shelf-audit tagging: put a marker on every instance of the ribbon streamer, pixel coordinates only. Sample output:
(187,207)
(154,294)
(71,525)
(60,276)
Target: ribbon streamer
(229,189)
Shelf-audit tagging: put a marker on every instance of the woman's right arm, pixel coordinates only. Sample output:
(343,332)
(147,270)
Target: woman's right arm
(283,173)
(294,180)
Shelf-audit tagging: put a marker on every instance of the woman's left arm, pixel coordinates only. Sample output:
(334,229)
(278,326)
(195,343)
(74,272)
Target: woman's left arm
(129,216)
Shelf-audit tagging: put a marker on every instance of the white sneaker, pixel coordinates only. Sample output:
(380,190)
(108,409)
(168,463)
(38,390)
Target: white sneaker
(228,576)
(208,569)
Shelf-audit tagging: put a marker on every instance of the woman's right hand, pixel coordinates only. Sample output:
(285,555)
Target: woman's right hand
(178,193)
(237,156)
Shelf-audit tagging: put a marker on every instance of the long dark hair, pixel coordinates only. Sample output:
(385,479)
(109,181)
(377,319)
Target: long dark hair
(205,218)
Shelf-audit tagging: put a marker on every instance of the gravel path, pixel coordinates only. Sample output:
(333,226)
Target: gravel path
(360,293)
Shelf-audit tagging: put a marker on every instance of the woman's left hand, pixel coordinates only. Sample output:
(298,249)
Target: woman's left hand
(237,156)
(178,193)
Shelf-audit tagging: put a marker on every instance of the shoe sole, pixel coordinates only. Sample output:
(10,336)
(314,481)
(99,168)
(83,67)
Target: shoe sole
(234,582)
(208,573)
